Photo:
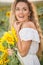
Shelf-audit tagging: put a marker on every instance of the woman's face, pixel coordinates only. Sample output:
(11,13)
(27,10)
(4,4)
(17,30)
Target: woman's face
(22,11)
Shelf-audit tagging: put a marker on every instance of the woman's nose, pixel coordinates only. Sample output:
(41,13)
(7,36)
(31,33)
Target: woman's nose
(21,11)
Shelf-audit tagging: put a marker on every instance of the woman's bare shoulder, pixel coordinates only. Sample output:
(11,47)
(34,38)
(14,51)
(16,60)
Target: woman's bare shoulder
(29,25)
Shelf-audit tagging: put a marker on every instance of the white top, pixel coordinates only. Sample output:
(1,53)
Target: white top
(30,34)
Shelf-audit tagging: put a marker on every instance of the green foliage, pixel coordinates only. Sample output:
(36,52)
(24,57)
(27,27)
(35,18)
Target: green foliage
(4,20)
(14,59)
(5,44)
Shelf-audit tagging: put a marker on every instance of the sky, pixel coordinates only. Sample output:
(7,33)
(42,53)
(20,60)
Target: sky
(13,0)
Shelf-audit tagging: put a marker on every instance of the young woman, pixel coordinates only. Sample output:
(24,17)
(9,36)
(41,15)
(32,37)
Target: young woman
(24,19)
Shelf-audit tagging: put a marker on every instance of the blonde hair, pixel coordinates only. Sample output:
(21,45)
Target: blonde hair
(36,22)
(33,18)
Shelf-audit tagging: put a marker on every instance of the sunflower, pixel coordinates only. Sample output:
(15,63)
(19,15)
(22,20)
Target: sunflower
(1,62)
(1,47)
(14,33)
(8,14)
(8,38)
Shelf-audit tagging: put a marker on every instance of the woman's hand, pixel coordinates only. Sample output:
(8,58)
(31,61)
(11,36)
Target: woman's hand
(17,26)
(10,52)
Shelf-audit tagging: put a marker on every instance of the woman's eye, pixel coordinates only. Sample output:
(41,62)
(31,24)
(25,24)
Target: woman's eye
(24,9)
(17,9)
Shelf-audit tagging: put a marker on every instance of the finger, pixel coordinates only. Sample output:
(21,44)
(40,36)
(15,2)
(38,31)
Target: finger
(20,25)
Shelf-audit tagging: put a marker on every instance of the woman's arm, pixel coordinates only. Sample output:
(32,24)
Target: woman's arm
(24,46)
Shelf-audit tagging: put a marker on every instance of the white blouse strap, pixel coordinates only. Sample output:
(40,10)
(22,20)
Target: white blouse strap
(29,34)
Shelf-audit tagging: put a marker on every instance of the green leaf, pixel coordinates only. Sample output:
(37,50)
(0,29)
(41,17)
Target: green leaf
(1,52)
(5,44)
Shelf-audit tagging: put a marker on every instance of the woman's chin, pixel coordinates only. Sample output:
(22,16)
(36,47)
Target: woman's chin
(21,20)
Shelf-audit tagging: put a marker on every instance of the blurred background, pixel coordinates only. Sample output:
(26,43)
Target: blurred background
(5,8)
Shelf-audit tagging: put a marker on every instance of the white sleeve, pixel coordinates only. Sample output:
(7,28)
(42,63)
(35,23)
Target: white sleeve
(29,34)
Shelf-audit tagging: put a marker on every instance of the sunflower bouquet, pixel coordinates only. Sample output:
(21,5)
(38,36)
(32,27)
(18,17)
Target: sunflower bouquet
(9,40)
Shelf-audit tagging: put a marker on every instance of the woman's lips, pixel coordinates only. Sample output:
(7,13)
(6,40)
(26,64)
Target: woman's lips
(21,16)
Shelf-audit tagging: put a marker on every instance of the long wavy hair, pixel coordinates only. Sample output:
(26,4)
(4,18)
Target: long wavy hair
(33,18)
